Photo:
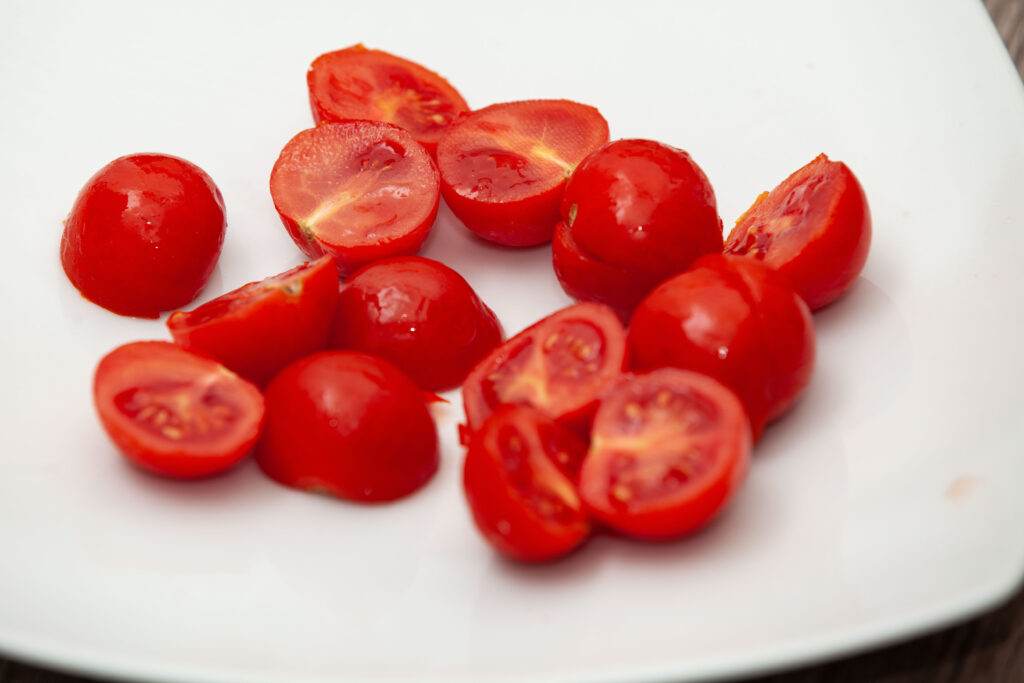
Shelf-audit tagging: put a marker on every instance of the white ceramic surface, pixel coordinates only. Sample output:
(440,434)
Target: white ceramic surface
(889,502)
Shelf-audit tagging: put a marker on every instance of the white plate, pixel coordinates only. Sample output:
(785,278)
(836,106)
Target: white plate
(887,503)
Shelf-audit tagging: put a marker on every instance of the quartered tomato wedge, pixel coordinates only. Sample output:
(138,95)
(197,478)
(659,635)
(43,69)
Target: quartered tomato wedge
(359,191)
(503,167)
(669,450)
(518,478)
(814,228)
(560,365)
(359,83)
(260,327)
(174,412)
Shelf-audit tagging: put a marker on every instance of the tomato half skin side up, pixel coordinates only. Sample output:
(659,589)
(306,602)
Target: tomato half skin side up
(814,228)
(176,413)
(559,365)
(263,326)
(357,190)
(736,320)
(518,480)
(418,314)
(144,235)
(349,425)
(670,449)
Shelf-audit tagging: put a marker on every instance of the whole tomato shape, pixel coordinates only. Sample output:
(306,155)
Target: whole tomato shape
(349,425)
(418,314)
(144,235)
(735,319)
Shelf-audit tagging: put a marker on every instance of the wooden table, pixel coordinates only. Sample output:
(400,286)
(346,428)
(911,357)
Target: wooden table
(989,648)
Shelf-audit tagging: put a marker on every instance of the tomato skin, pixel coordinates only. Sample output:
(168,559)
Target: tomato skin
(814,228)
(560,365)
(522,500)
(504,167)
(358,83)
(418,314)
(176,413)
(670,449)
(357,190)
(261,327)
(144,234)
(349,425)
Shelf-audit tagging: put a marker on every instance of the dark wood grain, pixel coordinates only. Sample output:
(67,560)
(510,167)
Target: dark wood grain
(988,649)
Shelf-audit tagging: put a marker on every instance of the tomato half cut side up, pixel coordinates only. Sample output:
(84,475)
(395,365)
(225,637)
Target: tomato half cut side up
(260,327)
(669,451)
(174,412)
(814,228)
(560,365)
(359,191)
(518,480)
(358,83)
(504,167)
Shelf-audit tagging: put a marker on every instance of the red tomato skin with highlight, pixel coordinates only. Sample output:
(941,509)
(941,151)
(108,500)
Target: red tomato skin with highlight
(418,314)
(358,83)
(144,235)
(360,191)
(176,413)
(736,320)
(263,326)
(522,499)
(504,167)
(814,228)
(350,425)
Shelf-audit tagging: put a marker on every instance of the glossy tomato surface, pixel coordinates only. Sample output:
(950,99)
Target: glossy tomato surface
(349,425)
(814,228)
(504,167)
(174,412)
(669,450)
(360,83)
(559,365)
(260,327)
(418,314)
(144,234)
(735,319)
(359,191)
(518,477)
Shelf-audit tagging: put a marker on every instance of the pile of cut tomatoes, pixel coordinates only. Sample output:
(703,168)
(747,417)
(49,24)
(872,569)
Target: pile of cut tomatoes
(634,410)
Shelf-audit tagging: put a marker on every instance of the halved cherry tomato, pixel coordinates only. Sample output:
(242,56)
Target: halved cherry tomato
(359,191)
(260,327)
(814,228)
(174,412)
(669,450)
(359,83)
(418,314)
(560,365)
(518,478)
(735,319)
(503,167)
(144,234)
(349,425)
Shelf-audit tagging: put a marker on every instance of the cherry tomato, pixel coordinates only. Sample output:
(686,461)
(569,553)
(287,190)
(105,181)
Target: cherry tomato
(735,319)
(518,478)
(503,167)
(814,228)
(560,365)
(418,314)
(144,235)
(359,83)
(174,412)
(349,425)
(669,451)
(260,327)
(359,191)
